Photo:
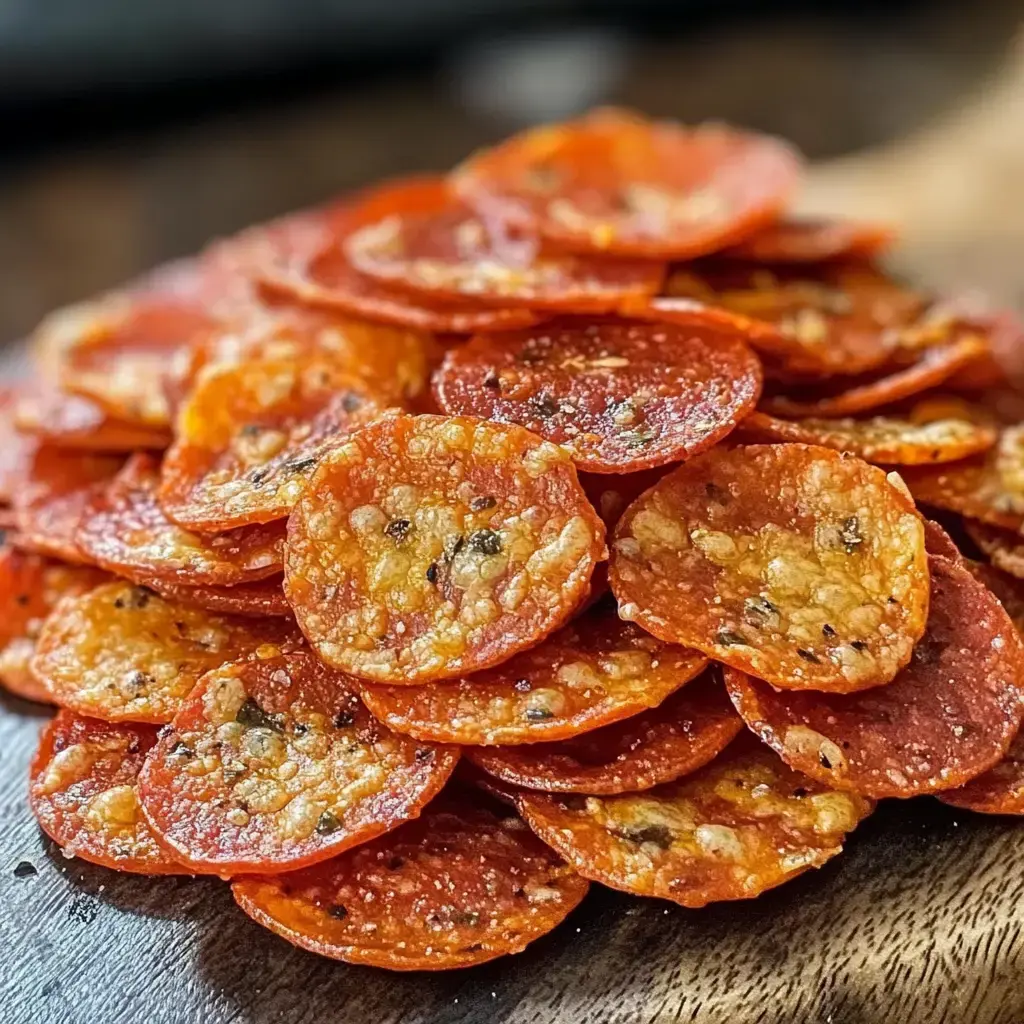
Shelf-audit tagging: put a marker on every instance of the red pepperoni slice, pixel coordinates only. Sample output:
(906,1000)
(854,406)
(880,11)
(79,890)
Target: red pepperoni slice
(595,671)
(84,796)
(613,182)
(274,763)
(257,600)
(401,573)
(619,396)
(818,581)
(948,716)
(740,825)
(672,740)
(1000,790)
(124,530)
(52,500)
(30,587)
(798,240)
(438,247)
(71,421)
(457,887)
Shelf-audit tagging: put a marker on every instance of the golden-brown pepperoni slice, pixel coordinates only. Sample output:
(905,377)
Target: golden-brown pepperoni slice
(71,421)
(595,671)
(804,240)
(251,435)
(51,501)
(438,247)
(83,794)
(614,182)
(30,587)
(122,653)
(816,581)
(274,763)
(679,736)
(742,824)
(947,717)
(457,887)
(124,530)
(618,396)
(909,440)
(1000,790)
(426,548)
(989,488)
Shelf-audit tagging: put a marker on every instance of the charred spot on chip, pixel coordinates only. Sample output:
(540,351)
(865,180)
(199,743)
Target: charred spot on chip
(543,404)
(482,503)
(850,534)
(858,645)
(829,631)
(300,465)
(327,823)
(398,529)
(431,572)
(808,655)
(658,835)
(337,911)
(485,542)
(730,638)
(252,716)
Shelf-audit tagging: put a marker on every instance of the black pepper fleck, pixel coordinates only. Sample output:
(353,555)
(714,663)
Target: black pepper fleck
(485,542)
(483,503)
(398,529)
(327,823)
(252,716)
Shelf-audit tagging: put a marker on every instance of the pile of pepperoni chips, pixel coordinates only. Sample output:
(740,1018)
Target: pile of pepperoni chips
(413,562)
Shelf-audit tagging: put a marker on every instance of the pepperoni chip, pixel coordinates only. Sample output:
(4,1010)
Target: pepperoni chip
(426,548)
(71,421)
(125,355)
(1000,790)
(938,542)
(273,763)
(935,366)
(83,794)
(742,824)
(947,717)
(124,529)
(894,440)
(442,249)
(251,435)
(813,241)
(52,500)
(1008,589)
(614,182)
(798,564)
(457,887)
(17,450)
(618,396)
(989,488)
(674,739)
(30,587)
(595,671)
(828,320)
(1005,549)
(123,653)
(251,600)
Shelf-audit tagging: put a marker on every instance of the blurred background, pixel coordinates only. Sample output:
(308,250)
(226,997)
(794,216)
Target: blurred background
(134,132)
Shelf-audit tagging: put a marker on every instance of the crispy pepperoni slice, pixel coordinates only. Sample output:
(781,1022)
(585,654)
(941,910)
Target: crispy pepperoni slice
(808,240)
(457,887)
(52,500)
(947,717)
(123,352)
(796,563)
(441,249)
(30,587)
(595,671)
(613,182)
(1004,548)
(84,796)
(251,435)
(816,321)
(742,824)
(251,600)
(618,396)
(938,542)
(896,440)
(426,548)
(124,530)
(123,653)
(1008,589)
(989,488)
(1000,790)
(935,366)
(679,736)
(75,422)
(274,763)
